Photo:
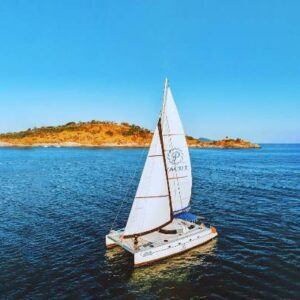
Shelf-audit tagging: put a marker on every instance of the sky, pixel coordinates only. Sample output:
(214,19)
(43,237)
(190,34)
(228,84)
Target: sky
(233,66)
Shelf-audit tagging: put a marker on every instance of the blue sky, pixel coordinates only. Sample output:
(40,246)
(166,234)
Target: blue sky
(234,66)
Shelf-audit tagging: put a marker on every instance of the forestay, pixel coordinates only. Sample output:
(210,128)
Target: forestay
(177,154)
(151,208)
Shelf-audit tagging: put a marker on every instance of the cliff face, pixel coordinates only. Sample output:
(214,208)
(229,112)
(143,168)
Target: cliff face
(100,134)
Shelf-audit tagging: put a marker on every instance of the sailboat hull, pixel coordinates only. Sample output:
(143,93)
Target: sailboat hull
(175,248)
(161,245)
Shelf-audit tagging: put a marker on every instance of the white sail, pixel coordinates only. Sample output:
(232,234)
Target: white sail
(176,153)
(151,208)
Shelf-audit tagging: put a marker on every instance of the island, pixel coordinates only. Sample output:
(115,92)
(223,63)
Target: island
(102,134)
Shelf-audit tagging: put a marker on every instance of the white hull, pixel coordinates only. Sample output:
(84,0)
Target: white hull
(174,248)
(157,246)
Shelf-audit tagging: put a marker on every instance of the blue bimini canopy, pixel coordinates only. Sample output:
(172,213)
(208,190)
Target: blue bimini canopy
(187,216)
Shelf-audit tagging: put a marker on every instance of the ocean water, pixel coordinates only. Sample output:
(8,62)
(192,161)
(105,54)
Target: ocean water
(56,205)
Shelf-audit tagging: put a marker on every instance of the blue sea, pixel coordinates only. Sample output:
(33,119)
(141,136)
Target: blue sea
(57,204)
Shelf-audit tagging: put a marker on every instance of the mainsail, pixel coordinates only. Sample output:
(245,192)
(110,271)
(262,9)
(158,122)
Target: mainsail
(166,182)
(151,207)
(177,154)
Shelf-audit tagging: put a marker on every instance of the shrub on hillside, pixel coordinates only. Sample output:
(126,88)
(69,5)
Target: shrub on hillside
(70,124)
(109,133)
(136,130)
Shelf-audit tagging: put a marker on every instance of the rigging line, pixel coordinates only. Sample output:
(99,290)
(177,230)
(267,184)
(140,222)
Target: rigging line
(128,189)
(130,183)
(157,125)
(160,128)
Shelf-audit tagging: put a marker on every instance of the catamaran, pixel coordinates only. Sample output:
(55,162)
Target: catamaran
(160,223)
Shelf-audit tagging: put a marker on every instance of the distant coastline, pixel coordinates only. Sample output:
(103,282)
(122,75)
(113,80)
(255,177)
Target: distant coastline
(99,134)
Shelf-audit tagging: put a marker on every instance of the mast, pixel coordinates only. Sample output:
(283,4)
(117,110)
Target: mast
(166,84)
(163,147)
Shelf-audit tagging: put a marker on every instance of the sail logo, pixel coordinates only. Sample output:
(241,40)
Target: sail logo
(175,156)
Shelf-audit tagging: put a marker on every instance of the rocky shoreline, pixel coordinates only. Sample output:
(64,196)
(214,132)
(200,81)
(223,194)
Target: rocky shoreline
(114,145)
(101,134)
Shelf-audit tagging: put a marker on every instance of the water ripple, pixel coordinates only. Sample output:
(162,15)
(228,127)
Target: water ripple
(56,205)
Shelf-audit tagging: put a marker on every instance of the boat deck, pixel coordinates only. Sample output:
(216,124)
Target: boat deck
(155,239)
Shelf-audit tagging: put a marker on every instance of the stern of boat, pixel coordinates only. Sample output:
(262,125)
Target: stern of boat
(109,242)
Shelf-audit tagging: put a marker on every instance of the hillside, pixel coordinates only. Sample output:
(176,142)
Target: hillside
(100,134)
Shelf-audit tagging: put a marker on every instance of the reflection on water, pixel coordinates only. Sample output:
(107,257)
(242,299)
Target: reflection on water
(118,255)
(176,268)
